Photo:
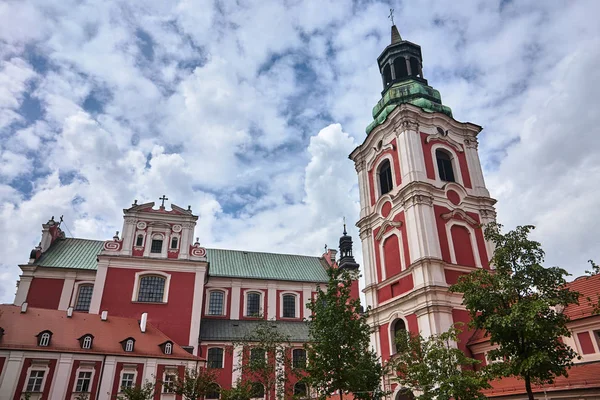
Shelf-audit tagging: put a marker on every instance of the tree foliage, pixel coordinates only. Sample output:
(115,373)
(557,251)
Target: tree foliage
(137,392)
(519,306)
(339,353)
(195,383)
(242,390)
(436,368)
(268,368)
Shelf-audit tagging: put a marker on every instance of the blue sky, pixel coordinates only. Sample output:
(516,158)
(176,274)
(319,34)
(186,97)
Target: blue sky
(247,111)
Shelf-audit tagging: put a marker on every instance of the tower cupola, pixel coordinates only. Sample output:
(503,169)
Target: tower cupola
(347,261)
(401,68)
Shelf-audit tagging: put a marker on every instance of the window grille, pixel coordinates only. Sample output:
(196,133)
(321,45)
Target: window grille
(127,380)
(139,241)
(168,348)
(34,384)
(174,243)
(87,342)
(257,356)
(253,305)
(299,358)
(300,389)
(84,297)
(444,162)
(151,289)
(156,246)
(215,302)
(215,357)
(45,339)
(83,382)
(289,306)
(385,177)
(129,345)
(168,383)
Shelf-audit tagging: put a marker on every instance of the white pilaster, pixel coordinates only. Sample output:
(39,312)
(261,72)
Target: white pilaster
(237,363)
(67,291)
(197,310)
(272,301)
(12,370)
(61,376)
(421,230)
(235,300)
(110,365)
(307,297)
(23,290)
(128,233)
(410,153)
(98,287)
(150,370)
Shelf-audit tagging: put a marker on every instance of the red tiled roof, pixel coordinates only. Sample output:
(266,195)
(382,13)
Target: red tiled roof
(581,376)
(20,330)
(587,286)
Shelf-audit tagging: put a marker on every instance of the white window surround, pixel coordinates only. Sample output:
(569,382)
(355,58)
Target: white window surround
(37,366)
(474,247)
(129,345)
(84,367)
(178,237)
(222,354)
(44,340)
(87,342)
(75,293)
(393,232)
(225,301)
(169,371)
(127,370)
(139,275)
(297,304)
(454,160)
(261,302)
(391,329)
(168,348)
(138,233)
(376,174)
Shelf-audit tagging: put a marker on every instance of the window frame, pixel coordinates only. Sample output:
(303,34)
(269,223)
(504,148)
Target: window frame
(42,336)
(453,158)
(261,303)
(136,286)
(129,345)
(264,392)
(79,378)
(133,373)
(472,236)
(87,338)
(42,381)
(390,161)
(305,389)
(167,387)
(296,304)
(174,236)
(213,385)
(209,291)
(77,296)
(222,357)
(392,335)
(138,236)
(294,361)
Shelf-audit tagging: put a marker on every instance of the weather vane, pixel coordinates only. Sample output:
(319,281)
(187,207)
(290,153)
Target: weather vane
(391,16)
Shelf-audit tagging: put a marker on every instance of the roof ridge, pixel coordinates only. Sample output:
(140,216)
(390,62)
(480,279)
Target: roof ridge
(263,252)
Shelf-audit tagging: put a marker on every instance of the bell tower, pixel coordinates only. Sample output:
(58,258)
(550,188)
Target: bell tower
(423,201)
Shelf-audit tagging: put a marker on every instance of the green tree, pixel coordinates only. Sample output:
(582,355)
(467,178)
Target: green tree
(518,304)
(340,359)
(265,353)
(195,383)
(143,392)
(242,390)
(436,368)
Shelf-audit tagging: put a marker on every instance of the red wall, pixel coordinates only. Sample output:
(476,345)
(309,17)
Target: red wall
(587,347)
(384,341)
(160,369)
(462,316)
(46,389)
(461,240)
(45,293)
(373,171)
(224,375)
(117,377)
(401,286)
(73,377)
(173,317)
(376,243)
(452,276)
(391,252)
(430,164)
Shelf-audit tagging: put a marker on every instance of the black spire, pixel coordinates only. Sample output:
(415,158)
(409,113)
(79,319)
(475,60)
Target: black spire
(347,261)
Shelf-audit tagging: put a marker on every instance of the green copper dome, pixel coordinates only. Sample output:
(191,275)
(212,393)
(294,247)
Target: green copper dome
(401,69)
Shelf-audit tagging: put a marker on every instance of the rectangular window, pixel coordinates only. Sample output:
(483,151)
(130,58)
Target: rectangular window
(152,289)
(215,357)
(257,356)
(253,305)
(84,298)
(169,382)
(299,358)
(127,380)
(156,246)
(83,382)
(34,384)
(215,303)
(289,306)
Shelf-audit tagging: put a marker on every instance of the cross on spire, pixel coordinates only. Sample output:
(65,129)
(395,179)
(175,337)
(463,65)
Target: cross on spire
(163,198)
(391,16)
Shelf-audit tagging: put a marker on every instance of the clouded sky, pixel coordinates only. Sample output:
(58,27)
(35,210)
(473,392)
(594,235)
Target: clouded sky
(248,110)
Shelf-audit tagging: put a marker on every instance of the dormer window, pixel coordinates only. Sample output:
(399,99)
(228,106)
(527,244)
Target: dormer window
(128,344)
(86,341)
(384,173)
(166,347)
(44,338)
(174,242)
(139,242)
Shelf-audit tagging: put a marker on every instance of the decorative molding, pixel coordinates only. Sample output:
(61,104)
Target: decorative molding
(487,213)
(386,224)
(446,139)
(188,225)
(415,199)
(176,228)
(129,220)
(460,213)
(471,143)
(112,245)
(141,225)
(197,251)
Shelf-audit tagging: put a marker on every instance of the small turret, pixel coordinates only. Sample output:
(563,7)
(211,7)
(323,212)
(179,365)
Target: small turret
(347,261)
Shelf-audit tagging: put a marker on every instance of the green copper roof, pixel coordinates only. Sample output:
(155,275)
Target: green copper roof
(409,91)
(71,253)
(248,264)
(222,329)
(81,254)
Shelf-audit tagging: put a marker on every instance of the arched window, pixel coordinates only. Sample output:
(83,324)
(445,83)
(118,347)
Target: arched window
(139,241)
(174,241)
(299,358)
(253,304)
(213,392)
(444,163)
(168,348)
(415,67)
(86,343)
(258,390)
(44,339)
(399,327)
(157,242)
(400,68)
(300,389)
(216,300)
(404,394)
(214,357)
(387,75)
(151,289)
(289,306)
(385,177)
(129,345)
(84,298)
